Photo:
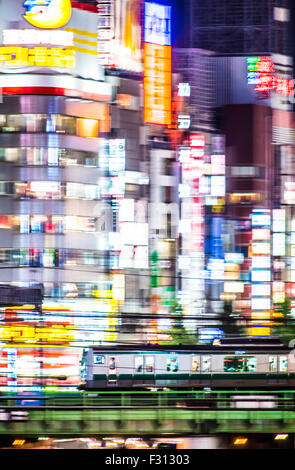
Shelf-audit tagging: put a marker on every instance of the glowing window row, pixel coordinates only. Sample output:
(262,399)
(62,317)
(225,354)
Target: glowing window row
(76,289)
(247,171)
(49,190)
(50,258)
(244,198)
(230,364)
(47,223)
(56,123)
(47,156)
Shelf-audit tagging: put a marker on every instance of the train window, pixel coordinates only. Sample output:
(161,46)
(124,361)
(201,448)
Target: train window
(138,363)
(283,363)
(206,363)
(98,359)
(149,364)
(195,364)
(273,363)
(172,364)
(112,363)
(239,364)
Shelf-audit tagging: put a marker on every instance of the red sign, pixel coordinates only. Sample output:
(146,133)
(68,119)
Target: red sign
(197,145)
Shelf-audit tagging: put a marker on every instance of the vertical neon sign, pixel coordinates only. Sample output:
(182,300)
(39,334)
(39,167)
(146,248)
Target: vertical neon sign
(157,64)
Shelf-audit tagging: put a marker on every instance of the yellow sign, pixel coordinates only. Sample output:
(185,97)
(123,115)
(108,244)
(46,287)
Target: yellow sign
(259,331)
(48,14)
(18,442)
(34,334)
(15,56)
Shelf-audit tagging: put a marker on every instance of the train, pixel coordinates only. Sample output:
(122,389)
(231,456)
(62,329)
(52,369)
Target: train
(233,364)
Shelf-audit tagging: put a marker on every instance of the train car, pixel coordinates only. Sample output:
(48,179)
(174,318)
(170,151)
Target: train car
(222,365)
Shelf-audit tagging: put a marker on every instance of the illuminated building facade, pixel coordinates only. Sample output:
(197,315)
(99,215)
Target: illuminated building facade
(251,71)
(73,192)
(201,191)
(55,112)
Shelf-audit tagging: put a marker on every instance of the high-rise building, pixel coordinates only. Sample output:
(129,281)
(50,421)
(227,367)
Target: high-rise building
(236,26)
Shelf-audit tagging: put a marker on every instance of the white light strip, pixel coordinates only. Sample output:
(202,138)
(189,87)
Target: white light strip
(56,81)
(34,36)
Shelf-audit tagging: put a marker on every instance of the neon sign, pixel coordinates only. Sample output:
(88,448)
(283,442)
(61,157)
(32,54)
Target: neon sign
(184,89)
(157,64)
(48,14)
(16,56)
(197,145)
(184,121)
(261,72)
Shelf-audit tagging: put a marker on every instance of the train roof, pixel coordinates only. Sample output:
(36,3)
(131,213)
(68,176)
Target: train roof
(252,340)
(233,346)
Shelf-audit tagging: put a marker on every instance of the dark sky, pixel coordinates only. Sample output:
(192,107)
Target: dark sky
(292,27)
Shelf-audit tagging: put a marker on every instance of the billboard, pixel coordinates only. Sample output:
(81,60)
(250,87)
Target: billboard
(31,47)
(47,13)
(261,72)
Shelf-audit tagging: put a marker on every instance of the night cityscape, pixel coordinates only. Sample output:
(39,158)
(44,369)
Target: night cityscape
(147,227)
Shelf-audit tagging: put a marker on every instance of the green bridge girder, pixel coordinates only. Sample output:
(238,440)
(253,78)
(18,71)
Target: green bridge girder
(145,414)
(138,422)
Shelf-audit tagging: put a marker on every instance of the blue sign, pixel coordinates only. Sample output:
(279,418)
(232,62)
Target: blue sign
(260,220)
(207,335)
(157,24)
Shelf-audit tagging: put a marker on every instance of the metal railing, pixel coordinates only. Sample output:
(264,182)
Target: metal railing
(148,413)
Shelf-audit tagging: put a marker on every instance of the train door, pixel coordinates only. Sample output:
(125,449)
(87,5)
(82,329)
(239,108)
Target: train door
(138,369)
(172,364)
(273,364)
(138,365)
(206,364)
(112,369)
(150,368)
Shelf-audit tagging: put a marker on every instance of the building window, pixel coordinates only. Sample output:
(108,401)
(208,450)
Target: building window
(283,364)
(112,363)
(239,364)
(247,171)
(98,359)
(244,198)
(172,364)
(138,364)
(195,364)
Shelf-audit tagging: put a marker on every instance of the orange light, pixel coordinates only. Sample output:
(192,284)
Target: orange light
(240,441)
(231,276)
(261,315)
(18,442)
(87,128)
(124,100)
(231,267)
(227,296)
